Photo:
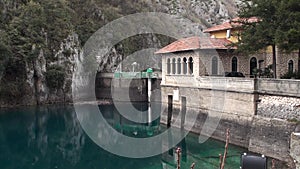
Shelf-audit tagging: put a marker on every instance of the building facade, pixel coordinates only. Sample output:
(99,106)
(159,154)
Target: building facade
(285,62)
(197,97)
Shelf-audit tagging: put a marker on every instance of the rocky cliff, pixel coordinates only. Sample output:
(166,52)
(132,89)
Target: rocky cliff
(41,41)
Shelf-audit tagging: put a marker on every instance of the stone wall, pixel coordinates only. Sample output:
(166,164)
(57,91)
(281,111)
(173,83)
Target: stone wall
(295,148)
(283,60)
(279,107)
(203,61)
(271,137)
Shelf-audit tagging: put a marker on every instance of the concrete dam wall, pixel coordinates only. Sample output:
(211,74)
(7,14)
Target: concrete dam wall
(126,89)
(235,103)
(259,113)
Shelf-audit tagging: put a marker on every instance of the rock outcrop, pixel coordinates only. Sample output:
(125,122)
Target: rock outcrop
(34,85)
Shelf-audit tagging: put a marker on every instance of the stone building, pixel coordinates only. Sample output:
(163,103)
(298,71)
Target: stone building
(197,51)
(261,60)
(196,96)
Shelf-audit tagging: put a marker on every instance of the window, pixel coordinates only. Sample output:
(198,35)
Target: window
(291,66)
(173,66)
(168,66)
(214,70)
(178,66)
(228,33)
(191,68)
(234,64)
(253,65)
(184,66)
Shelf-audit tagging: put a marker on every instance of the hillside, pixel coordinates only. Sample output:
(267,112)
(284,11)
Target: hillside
(41,40)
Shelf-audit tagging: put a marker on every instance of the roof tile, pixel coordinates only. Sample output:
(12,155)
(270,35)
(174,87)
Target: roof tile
(194,43)
(231,24)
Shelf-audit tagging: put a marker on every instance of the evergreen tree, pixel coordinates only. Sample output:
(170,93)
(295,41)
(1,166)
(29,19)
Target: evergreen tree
(25,31)
(58,24)
(288,32)
(5,52)
(259,35)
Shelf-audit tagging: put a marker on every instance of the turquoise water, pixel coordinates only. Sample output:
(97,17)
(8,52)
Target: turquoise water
(50,137)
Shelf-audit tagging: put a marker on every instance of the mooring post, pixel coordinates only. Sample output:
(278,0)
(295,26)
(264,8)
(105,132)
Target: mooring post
(226,148)
(149,73)
(221,159)
(193,166)
(149,100)
(178,151)
(273,164)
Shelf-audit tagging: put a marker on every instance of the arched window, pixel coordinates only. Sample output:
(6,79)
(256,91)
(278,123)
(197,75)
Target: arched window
(191,68)
(178,66)
(214,70)
(234,65)
(173,66)
(253,65)
(184,66)
(291,66)
(168,66)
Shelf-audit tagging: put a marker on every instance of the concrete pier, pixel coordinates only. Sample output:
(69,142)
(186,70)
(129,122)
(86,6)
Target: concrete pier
(295,149)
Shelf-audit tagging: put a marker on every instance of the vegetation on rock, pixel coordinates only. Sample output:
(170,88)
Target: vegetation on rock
(31,27)
(55,77)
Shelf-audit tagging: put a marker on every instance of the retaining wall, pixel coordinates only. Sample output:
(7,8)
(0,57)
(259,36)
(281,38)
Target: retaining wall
(295,148)
(234,102)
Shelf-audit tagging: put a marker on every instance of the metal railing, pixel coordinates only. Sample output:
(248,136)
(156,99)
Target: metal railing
(135,75)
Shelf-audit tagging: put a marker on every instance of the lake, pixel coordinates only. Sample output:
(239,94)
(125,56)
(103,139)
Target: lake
(51,137)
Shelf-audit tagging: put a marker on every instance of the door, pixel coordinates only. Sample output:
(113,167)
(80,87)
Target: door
(183,111)
(170,110)
(253,65)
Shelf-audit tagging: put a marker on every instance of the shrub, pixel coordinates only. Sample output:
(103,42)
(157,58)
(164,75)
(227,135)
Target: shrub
(55,77)
(291,75)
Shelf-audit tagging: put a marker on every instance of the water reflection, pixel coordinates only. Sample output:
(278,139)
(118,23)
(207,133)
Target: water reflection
(128,127)
(51,137)
(42,134)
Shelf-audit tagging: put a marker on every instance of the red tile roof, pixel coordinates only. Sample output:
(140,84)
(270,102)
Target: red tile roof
(224,26)
(231,24)
(194,43)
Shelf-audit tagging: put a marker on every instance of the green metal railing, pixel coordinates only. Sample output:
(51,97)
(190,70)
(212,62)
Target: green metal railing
(134,75)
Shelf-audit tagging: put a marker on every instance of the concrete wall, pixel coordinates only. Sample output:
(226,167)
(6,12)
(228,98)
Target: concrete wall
(234,102)
(225,102)
(132,90)
(279,87)
(267,136)
(233,109)
(271,137)
(295,148)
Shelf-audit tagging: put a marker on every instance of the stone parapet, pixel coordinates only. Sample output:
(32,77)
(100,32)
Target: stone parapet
(295,149)
(227,84)
(279,87)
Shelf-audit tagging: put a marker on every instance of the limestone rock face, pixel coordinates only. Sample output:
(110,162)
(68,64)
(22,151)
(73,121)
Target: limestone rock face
(35,90)
(38,91)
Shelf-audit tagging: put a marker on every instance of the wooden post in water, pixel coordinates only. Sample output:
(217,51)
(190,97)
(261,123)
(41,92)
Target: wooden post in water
(273,164)
(193,166)
(226,148)
(178,151)
(221,159)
